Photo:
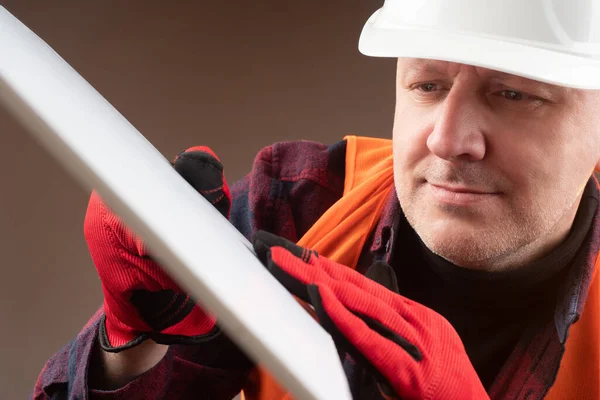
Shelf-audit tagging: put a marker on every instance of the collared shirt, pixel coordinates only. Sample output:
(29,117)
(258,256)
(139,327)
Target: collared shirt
(291,184)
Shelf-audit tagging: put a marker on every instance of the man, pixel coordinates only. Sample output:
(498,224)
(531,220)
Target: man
(474,233)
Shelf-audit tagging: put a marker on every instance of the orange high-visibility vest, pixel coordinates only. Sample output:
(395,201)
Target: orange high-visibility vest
(341,232)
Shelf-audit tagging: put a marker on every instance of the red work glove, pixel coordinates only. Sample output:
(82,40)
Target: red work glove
(413,352)
(140,301)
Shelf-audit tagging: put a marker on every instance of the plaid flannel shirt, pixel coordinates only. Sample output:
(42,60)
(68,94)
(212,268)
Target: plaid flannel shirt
(290,186)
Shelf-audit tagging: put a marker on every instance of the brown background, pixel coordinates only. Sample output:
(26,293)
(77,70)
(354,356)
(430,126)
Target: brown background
(232,75)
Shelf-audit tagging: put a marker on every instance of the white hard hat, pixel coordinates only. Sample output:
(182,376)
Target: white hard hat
(553,41)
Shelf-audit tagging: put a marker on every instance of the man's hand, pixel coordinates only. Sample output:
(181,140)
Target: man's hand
(413,352)
(140,301)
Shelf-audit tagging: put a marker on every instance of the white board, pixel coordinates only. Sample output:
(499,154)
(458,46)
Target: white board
(198,247)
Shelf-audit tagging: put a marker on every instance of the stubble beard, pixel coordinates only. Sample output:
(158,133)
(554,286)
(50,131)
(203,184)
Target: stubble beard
(500,244)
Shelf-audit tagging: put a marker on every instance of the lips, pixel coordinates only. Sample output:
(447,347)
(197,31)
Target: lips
(457,195)
(462,189)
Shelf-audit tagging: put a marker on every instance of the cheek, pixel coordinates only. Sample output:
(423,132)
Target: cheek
(547,165)
(520,160)
(410,134)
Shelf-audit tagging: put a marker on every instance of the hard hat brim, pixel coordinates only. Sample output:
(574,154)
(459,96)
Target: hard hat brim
(526,60)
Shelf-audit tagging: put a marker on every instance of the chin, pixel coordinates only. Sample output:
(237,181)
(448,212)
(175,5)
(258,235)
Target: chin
(463,246)
(462,254)
(468,238)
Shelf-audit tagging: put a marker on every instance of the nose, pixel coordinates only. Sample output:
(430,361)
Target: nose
(459,130)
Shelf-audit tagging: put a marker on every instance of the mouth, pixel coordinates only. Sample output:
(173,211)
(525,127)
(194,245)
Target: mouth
(460,195)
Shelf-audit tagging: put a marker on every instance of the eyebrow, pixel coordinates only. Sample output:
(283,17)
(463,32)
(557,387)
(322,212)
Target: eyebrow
(438,68)
(416,67)
(424,65)
(545,89)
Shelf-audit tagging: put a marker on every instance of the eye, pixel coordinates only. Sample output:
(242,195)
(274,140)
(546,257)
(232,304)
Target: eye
(426,92)
(512,95)
(427,87)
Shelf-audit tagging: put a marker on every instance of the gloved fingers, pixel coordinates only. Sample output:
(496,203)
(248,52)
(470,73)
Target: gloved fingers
(304,264)
(198,165)
(264,241)
(380,281)
(419,336)
(103,228)
(202,169)
(119,255)
(384,352)
(295,267)
(196,326)
(163,308)
(381,316)
(290,270)
(141,300)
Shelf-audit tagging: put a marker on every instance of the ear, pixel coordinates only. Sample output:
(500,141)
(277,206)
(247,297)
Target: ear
(598,166)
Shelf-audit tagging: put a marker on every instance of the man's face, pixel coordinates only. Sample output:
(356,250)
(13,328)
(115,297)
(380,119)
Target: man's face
(490,167)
